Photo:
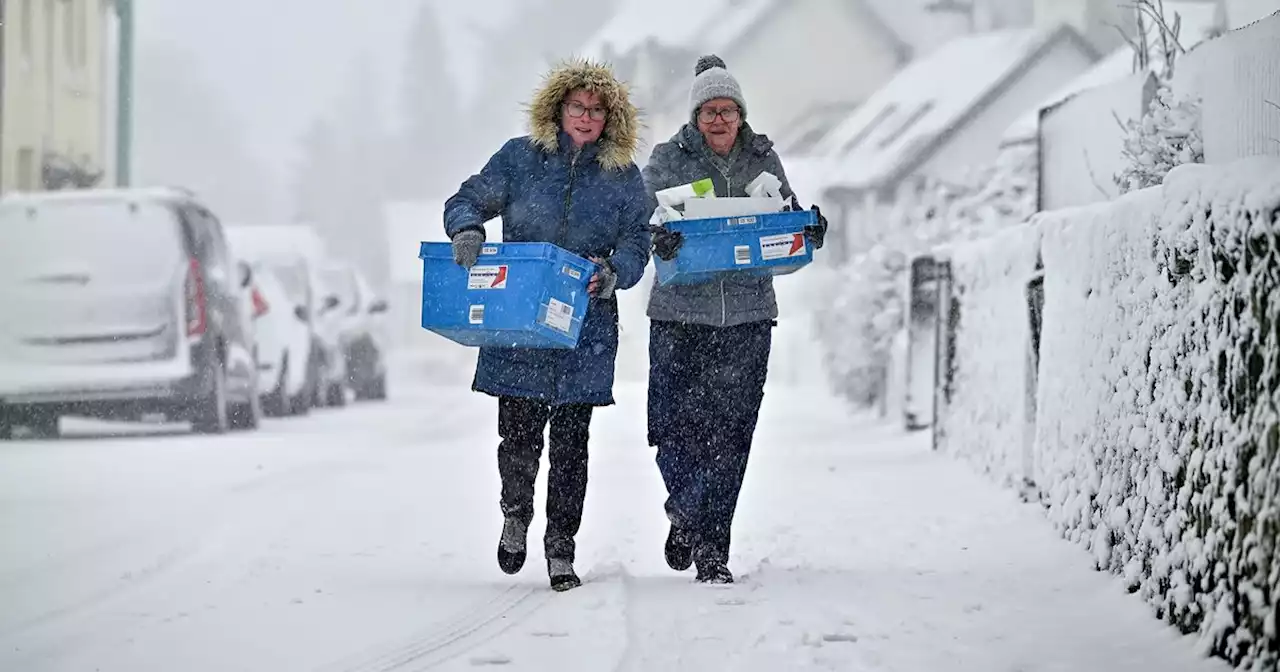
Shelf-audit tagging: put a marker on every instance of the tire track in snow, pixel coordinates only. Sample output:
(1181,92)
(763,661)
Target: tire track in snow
(455,637)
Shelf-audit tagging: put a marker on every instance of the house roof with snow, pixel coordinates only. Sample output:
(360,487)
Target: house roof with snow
(1198,21)
(715,25)
(710,24)
(907,120)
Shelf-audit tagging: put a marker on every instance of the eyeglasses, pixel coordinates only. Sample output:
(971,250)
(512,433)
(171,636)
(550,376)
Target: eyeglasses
(708,115)
(575,109)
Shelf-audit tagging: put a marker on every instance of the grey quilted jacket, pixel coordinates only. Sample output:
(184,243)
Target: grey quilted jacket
(686,158)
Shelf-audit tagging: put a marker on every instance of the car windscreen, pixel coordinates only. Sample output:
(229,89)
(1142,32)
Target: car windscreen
(341,283)
(114,240)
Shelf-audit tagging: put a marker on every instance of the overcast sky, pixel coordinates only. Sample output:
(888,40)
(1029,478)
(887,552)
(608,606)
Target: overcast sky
(276,62)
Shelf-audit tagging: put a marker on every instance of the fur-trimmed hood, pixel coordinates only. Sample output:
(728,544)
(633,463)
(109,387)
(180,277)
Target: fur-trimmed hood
(621,136)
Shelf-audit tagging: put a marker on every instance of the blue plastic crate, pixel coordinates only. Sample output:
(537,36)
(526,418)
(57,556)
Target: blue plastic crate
(765,244)
(518,295)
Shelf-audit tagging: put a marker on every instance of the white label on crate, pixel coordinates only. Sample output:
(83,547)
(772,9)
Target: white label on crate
(487,277)
(573,272)
(737,221)
(476,314)
(741,254)
(489,249)
(782,246)
(559,315)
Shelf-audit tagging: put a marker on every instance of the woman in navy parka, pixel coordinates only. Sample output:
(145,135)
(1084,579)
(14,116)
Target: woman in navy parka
(572,182)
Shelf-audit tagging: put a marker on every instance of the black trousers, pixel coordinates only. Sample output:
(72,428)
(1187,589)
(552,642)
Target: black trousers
(521,423)
(706,386)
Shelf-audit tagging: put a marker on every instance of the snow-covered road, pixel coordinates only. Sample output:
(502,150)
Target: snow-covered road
(363,540)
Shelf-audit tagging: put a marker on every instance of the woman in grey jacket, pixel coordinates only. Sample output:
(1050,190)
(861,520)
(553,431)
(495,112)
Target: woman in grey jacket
(709,343)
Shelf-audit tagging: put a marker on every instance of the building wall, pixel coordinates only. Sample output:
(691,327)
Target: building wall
(811,52)
(54,86)
(978,142)
(1081,144)
(1237,78)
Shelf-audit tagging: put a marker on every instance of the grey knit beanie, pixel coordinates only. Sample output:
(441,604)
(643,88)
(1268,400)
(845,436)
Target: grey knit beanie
(712,80)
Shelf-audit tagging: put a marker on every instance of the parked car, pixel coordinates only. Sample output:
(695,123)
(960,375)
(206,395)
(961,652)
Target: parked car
(363,331)
(121,304)
(282,339)
(295,253)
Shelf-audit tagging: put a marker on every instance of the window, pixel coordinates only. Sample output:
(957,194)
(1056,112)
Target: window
(906,124)
(203,244)
(68,32)
(815,124)
(83,42)
(870,128)
(26,169)
(133,242)
(27,20)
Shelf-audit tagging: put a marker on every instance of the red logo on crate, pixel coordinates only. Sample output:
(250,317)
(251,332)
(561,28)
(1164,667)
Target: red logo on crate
(487,277)
(782,246)
(797,245)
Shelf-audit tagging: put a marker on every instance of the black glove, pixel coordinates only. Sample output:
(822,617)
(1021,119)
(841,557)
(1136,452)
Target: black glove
(466,247)
(666,243)
(817,233)
(605,280)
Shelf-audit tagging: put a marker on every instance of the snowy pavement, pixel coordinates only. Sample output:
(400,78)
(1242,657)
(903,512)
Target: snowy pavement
(363,540)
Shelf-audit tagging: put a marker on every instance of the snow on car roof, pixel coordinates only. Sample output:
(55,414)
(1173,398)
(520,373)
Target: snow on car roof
(29,198)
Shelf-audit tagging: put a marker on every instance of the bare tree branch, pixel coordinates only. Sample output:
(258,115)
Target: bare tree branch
(1156,14)
(1093,176)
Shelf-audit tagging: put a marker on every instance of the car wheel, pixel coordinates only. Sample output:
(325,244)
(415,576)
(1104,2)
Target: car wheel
(336,396)
(210,414)
(43,425)
(279,404)
(248,416)
(6,423)
(373,389)
(301,404)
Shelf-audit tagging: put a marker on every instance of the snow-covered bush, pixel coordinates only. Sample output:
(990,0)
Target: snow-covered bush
(1158,434)
(988,415)
(868,304)
(1168,135)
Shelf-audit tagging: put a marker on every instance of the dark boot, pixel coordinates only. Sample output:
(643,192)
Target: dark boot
(679,548)
(513,546)
(714,572)
(562,575)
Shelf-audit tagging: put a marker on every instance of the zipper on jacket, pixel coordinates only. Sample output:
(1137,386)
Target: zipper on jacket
(568,198)
(564,233)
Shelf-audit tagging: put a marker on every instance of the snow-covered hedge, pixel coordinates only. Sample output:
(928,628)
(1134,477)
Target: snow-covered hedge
(1157,439)
(868,304)
(1168,135)
(988,417)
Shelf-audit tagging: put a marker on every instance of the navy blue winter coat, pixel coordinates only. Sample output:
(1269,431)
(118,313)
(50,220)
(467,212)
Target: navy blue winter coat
(593,204)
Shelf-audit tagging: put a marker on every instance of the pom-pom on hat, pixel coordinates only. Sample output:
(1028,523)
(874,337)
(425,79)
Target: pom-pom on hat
(712,80)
